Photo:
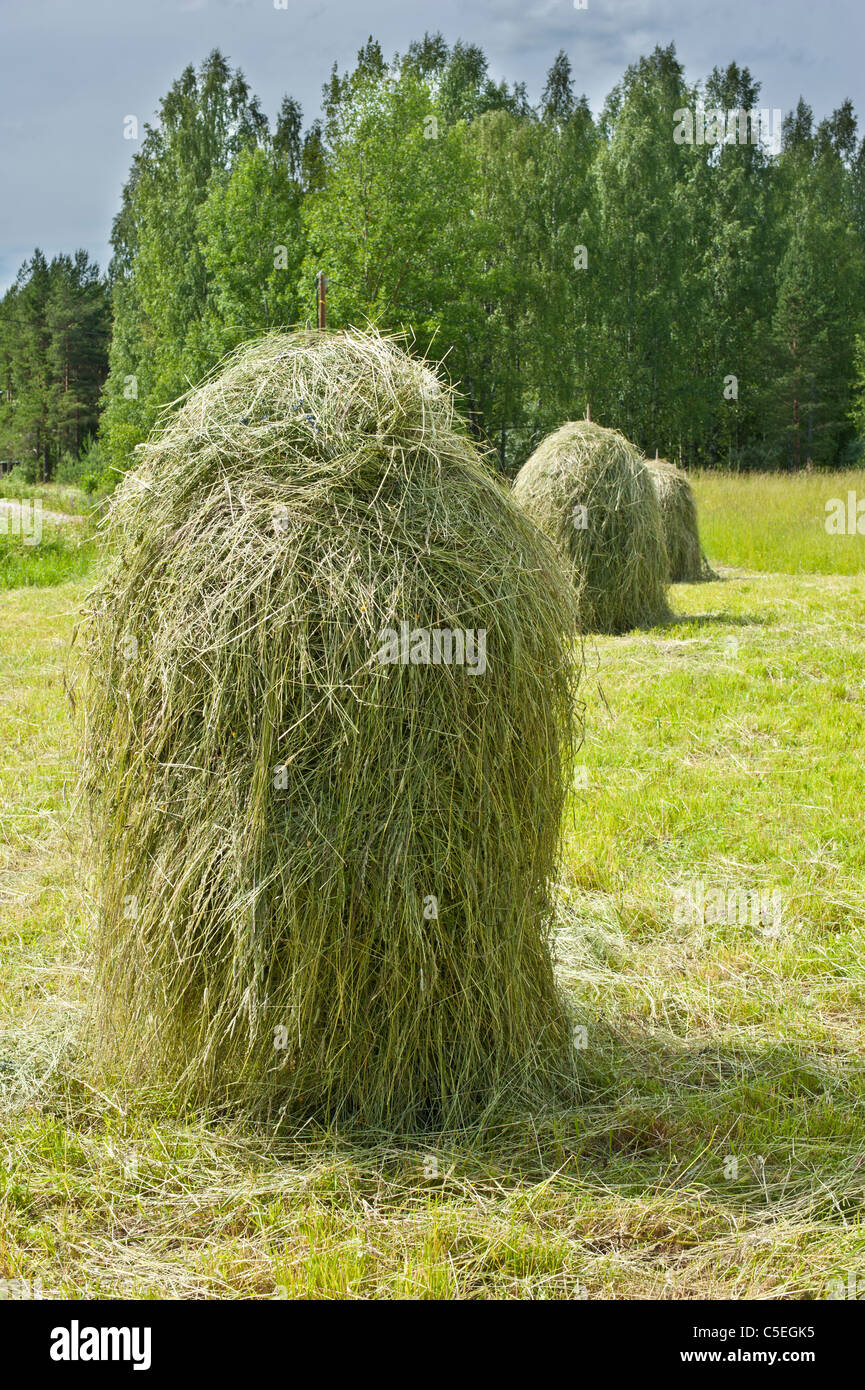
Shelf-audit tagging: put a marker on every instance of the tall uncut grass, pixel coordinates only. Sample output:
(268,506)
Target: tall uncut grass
(58,556)
(777,521)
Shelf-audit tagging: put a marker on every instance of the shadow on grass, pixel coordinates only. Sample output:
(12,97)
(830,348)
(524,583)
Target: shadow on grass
(766,1127)
(712,620)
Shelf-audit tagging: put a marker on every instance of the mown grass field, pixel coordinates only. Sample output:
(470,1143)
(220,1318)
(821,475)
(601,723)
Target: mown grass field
(719,1150)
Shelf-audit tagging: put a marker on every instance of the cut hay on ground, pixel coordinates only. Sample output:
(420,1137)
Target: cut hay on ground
(679,517)
(323,878)
(590,491)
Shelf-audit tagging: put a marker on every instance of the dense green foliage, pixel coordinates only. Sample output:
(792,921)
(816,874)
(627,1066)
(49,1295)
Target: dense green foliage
(54,324)
(705,298)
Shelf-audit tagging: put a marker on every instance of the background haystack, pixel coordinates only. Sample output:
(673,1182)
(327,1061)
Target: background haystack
(679,517)
(590,491)
(323,879)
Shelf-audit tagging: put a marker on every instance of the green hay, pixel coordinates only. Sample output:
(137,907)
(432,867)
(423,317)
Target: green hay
(617,558)
(679,516)
(273,809)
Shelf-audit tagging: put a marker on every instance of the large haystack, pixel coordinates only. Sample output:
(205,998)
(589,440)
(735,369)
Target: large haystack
(679,517)
(590,491)
(329,720)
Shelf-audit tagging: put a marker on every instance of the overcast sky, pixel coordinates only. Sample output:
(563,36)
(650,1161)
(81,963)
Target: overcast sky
(71,70)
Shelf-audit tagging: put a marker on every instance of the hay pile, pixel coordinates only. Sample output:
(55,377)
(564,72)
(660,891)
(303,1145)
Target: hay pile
(679,517)
(322,874)
(590,491)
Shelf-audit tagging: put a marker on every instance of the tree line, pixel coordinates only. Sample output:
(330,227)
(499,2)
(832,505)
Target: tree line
(54,331)
(704,295)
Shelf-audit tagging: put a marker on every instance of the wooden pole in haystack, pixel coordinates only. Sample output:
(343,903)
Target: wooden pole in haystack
(321,284)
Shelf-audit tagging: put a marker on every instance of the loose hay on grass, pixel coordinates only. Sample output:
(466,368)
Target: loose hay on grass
(323,879)
(589,489)
(679,516)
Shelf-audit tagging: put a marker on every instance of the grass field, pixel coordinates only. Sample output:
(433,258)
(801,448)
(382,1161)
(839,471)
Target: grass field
(45,544)
(719,1150)
(767,521)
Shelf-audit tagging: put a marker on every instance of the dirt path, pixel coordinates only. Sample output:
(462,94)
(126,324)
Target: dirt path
(12,508)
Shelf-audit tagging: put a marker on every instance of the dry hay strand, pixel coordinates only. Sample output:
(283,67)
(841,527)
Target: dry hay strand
(589,490)
(323,877)
(676,499)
